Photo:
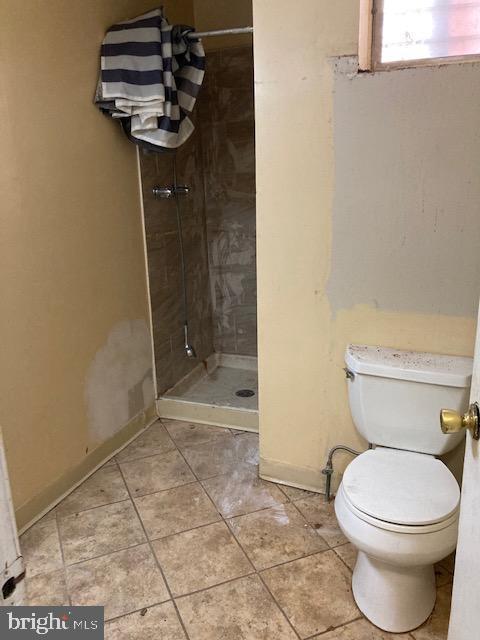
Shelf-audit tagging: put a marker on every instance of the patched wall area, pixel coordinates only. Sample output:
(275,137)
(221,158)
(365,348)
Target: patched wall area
(119,382)
(324,282)
(406,203)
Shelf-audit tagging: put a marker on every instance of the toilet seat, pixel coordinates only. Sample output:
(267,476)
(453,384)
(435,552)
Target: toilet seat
(397,528)
(401,490)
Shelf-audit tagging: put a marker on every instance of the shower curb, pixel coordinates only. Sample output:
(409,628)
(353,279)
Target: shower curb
(172,405)
(244,419)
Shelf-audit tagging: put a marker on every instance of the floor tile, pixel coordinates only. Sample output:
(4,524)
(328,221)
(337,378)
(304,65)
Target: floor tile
(293,493)
(436,627)
(242,492)
(284,531)
(155,623)
(40,547)
(121,582)
(154,440)
(187,434)
(314,592)
(156,473)
(103,487)
(98,531)
(239,610)
(442,576)
(448,563)
(218,457)
(201,558)
(348,554)
(321,516)
(361,630)
(275,535)
(176,510)
(47,589)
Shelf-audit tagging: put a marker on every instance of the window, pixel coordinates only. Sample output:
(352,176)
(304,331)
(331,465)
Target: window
(403,33)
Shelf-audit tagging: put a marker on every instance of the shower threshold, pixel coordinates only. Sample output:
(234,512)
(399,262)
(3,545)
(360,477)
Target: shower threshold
(223,390)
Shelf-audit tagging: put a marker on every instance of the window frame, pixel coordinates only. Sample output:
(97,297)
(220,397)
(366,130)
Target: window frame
(369,44)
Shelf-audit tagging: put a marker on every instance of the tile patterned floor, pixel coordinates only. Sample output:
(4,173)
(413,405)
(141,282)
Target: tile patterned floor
(180,540)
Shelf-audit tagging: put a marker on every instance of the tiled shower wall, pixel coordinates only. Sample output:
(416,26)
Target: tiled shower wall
(164,261)
(226,112)
(218,164)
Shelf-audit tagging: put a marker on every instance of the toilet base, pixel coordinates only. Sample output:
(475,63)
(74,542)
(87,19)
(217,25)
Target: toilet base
(395,598)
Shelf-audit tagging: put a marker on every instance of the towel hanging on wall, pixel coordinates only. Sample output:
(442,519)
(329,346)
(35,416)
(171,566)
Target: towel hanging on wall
(150,76)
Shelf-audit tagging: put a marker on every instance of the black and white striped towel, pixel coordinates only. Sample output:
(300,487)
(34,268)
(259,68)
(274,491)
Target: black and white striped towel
(150,76)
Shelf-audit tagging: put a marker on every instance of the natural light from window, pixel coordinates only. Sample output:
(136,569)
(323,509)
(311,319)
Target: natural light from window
(423,29)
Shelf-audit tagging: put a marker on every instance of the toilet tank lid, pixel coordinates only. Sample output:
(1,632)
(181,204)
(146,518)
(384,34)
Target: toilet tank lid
(430,368)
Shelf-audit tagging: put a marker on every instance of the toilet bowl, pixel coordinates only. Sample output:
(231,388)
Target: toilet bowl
(398,504)
(388,509)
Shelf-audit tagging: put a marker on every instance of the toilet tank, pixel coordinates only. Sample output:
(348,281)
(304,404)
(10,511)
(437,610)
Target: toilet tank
(396,396)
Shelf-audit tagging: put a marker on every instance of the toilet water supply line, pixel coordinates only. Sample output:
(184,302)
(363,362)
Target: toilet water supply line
(328,469)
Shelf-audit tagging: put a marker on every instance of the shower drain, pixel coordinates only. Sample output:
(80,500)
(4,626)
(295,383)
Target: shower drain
(245,393)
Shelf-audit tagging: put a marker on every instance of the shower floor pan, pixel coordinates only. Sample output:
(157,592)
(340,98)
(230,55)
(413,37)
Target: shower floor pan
(218,391)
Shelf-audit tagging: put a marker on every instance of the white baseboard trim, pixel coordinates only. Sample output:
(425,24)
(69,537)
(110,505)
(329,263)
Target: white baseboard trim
(29,513)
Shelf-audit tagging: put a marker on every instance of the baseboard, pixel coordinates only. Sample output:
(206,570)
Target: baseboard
(291,475)
(39,505)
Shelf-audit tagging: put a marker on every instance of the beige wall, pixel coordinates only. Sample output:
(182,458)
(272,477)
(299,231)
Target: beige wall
(302,338)
(76,351)
(405,212)
(223,14)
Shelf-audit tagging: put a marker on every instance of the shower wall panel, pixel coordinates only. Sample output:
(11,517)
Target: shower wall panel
(226,117)
(164,261)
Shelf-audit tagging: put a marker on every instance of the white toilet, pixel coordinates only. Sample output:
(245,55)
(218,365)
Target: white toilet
(397,503)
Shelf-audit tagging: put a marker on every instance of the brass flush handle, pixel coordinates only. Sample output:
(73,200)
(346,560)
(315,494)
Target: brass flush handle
(452,421)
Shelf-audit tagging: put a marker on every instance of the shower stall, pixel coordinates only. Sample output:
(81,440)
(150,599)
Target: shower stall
(199,206)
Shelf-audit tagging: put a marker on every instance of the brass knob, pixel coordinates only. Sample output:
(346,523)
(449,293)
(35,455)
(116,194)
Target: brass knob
(453,422)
